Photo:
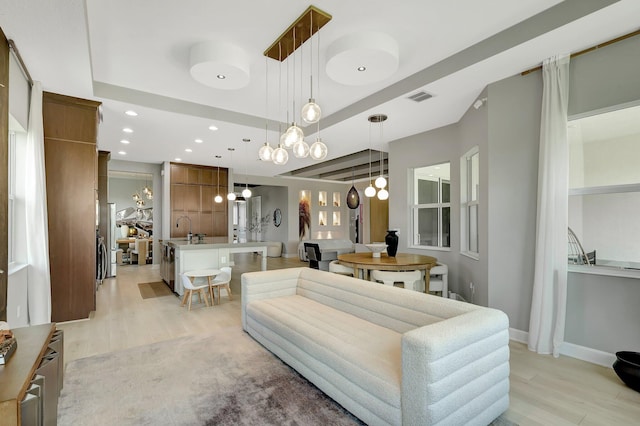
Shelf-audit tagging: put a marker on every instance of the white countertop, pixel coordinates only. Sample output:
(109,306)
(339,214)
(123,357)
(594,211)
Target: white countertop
(207,243)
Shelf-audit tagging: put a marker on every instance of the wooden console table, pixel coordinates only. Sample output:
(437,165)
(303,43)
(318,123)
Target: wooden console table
(18,372)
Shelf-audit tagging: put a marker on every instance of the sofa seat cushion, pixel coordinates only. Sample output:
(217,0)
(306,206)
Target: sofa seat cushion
(339,340)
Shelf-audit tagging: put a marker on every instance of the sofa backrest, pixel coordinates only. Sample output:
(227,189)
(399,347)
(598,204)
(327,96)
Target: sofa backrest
(395,308)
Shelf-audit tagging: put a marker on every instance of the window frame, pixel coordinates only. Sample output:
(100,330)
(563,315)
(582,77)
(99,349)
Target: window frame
(467,203)
(414,207)
(11,214)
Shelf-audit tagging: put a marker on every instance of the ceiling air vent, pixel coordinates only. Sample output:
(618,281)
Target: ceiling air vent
(420,96)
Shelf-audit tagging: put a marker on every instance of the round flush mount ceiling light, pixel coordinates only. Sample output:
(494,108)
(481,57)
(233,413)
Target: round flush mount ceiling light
(362,58)
(219,65)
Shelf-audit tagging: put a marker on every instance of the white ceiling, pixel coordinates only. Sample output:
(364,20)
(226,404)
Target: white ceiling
(134,55)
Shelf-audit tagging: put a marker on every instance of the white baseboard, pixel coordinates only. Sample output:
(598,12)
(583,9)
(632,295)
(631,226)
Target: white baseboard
(519,335)
(572,350)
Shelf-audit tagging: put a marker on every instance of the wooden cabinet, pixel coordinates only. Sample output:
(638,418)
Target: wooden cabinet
(70,135)
(16,375)
(193,189)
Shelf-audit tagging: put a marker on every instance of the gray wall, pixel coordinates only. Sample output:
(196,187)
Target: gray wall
(425,149)
(446,144)
(274,197)
(601,310)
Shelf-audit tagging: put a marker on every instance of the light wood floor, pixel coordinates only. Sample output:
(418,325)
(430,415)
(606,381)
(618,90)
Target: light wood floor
(544,390)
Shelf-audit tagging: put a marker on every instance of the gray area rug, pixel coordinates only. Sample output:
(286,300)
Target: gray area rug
(225,378)
(222,379)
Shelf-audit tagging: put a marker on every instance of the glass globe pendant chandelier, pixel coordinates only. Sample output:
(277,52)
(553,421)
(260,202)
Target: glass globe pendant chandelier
(301,30)
(380,181)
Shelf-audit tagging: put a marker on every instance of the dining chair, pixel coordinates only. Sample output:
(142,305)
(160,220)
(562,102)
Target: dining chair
(190,287)
(317,259)
(439,279)
(221,281)
(337,268)
(407,278)
(139,251)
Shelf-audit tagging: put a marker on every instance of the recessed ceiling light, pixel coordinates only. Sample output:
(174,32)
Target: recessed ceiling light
(178,159)
(124,141)
(198,140)
(131,113)
(188,150)
(221,76)
(362,68)
(213,128)
(127,130)
(122,153)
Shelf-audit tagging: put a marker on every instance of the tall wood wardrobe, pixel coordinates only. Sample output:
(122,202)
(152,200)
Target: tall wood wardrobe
(71,162)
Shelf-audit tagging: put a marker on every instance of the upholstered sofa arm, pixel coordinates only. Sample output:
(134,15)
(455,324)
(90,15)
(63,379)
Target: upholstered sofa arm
(452,363)
(267,285)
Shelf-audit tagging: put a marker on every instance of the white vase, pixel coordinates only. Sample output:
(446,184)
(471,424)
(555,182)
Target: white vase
(124,231)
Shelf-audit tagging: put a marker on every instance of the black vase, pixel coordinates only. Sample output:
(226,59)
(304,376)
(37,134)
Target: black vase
(391,239)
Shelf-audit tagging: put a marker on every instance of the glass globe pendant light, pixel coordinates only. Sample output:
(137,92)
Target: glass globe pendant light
(292,135)
(301,149)
(246,192)
(280,156)
(311,111)
(318,150)
(231,196)
(381,182)
(383,194)
(218,197)
(265,152)
(370,191)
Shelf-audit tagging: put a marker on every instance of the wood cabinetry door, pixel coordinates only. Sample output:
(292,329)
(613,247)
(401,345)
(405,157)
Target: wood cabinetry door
(70,132)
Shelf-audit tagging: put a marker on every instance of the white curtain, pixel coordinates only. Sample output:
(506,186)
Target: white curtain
(39,288)
(548,305)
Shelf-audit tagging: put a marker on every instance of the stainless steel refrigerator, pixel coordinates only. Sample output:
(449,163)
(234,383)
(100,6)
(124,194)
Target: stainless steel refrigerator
(111,243)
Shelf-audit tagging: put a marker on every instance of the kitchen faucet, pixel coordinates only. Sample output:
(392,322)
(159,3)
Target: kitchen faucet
(189,235)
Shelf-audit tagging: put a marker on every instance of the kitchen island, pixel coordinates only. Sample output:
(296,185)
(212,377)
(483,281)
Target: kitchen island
(180,255)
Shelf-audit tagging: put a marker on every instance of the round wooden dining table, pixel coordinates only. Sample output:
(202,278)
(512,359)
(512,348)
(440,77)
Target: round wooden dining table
(400,262)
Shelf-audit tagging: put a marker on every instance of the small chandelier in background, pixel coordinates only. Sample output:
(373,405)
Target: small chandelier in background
(380,182)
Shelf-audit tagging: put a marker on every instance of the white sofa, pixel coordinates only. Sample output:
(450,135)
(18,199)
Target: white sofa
(339,246)
(387,355)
